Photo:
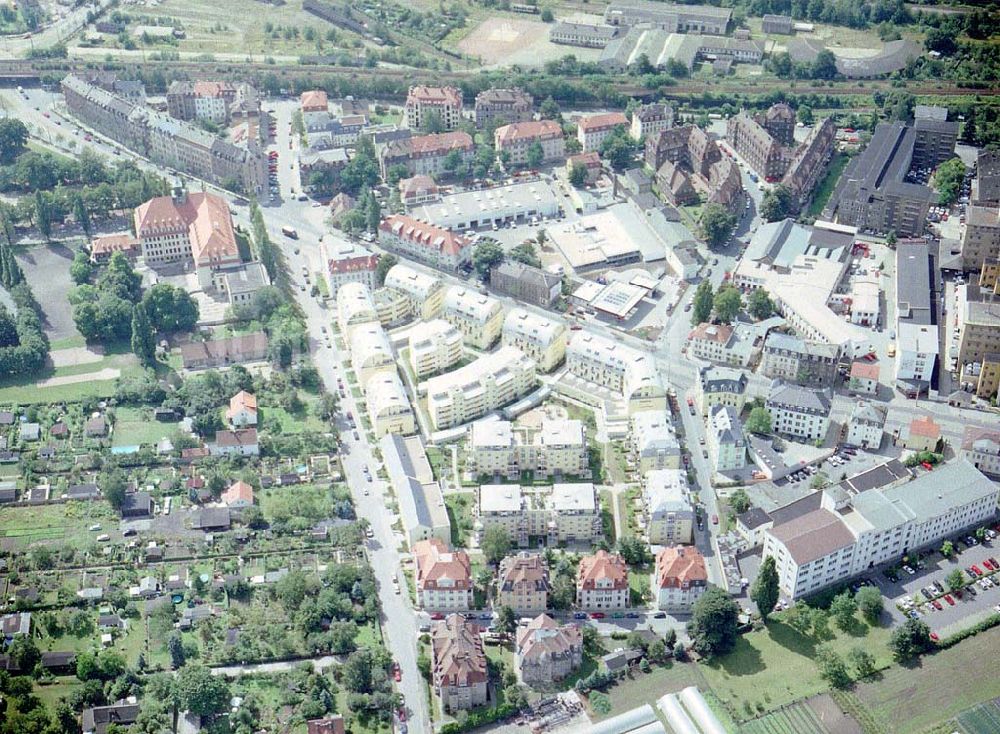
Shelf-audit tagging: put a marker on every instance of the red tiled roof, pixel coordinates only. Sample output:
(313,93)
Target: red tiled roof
(434,96)
(238,491)
(457,650)
(242,437)
(591,159)
(111,243)
(530,130)
(863,370)
(925,426)
(424,234)
(203,217)
(353,264)
(601,566)
(712,332)
(440,142)
(313,101)
(242,401)
(436,563)
(602,121)
(678,567)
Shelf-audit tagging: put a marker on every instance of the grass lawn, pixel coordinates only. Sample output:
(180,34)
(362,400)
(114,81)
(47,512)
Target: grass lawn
(648,687)
(607,515)
(66,523)
(61,686)
(300,422)
(775,666)
(825,188)
(460,512)
(912,699)
(133,427)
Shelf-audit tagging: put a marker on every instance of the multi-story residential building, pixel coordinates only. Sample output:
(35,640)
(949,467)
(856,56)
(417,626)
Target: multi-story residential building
(651,119)
(354,307)
(765,155)
(187,227)
(547,651)
(986,184)
(653,441)
(458,663)
(680,578)
(212,101)
(472,391)
(518,138)
(444,577)
(916,328)
(619,368)
(602,582)
(935,136)
(727,444)
(242,410)
(424,242)
(388,406)
(564,513)
(479,318)
(348,264)
(670,515)
(417,190)
(863,377)
(424,293)
(809,161)
(426,154)
(523,584)
(721,386)
(590,161)
(526,283)
(790,358)
(981,241)
(502,106)
(421,502)
(736,345)
(779,121)
(592,131)
(872,193)
(370,350)
(827,537)
(981,448)
(866,425)
(799,412)
(165,140)
(315,108)
(922,434)
(557,448)
(979,338)
(426,106)
(543,338)
(669,17)
(434,347)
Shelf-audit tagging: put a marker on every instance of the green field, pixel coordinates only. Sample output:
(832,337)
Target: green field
(134,427)
(826,186)
(795,719)
(943,685)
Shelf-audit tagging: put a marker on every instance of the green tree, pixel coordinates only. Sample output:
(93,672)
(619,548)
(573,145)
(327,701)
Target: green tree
(535,155)
(525,253)
(13,138)
(81,269)
(941,40)
(955,579)
(825,65)
(385,264)
(24,653)
(170,309)
(702,304)
(759,421)
(842,608)
(832,667)
(176,649)
(113,485)
(618,149)
(777,203)
(495,544)
(80,214)
(760,305)
(863,661)
(120,279)
(869,601)
(819,619)
(805,114)
(143,338)
(454,163)
(727,303)
(600,702)
(714,619)
(910,639)
(739,501)
(549,110)
(202,693)
(43,215)
(547,16)
(948,180)
(716,224)
(506,623)
(578,174)
(487,254)
(764,591)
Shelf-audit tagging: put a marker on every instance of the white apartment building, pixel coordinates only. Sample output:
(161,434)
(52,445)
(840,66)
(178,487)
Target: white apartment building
(592,131)
(602,582)
(424,293)
(558,447)
(842,534)
(727,444)
(721,386)
(347,263)
(472,391)
(354,306)
(866,425)
(981,447)
(542,338)
(798,411)
(371,351)
(619,368)
(517,140)
(567,512)
(426,243)
(443,578)
(650,120)
(653,441)
(388,405)
(670,517)
(679,579)
(916,351)
(478,317)
(445,103)
(434,347)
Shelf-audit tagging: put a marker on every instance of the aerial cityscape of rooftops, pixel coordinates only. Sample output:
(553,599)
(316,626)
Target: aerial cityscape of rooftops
(536,367)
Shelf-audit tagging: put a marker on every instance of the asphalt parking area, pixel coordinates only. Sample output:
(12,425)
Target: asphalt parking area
(966,611)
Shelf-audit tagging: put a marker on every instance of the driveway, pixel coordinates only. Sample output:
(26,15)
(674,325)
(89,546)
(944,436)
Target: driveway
(46,268)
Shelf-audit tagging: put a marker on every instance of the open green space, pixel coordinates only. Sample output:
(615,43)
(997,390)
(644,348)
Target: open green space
(940,686)
(460,507)
(824,190)
(134,426)
(981,719)
(795,719)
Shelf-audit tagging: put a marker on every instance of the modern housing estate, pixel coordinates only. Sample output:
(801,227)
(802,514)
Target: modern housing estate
(558,447)
(542,338)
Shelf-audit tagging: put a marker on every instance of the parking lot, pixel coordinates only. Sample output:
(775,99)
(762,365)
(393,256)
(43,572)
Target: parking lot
(966,610)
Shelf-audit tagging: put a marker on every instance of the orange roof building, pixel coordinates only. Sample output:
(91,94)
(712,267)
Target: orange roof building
(923,434)
(314,100)
(102,248)
(602,582)
(196,226)
(239,494)
(242,410)
(458,663)
(680,577)
(424,242)
(444,578)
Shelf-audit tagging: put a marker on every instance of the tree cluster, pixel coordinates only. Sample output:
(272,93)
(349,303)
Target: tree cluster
(24,347)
